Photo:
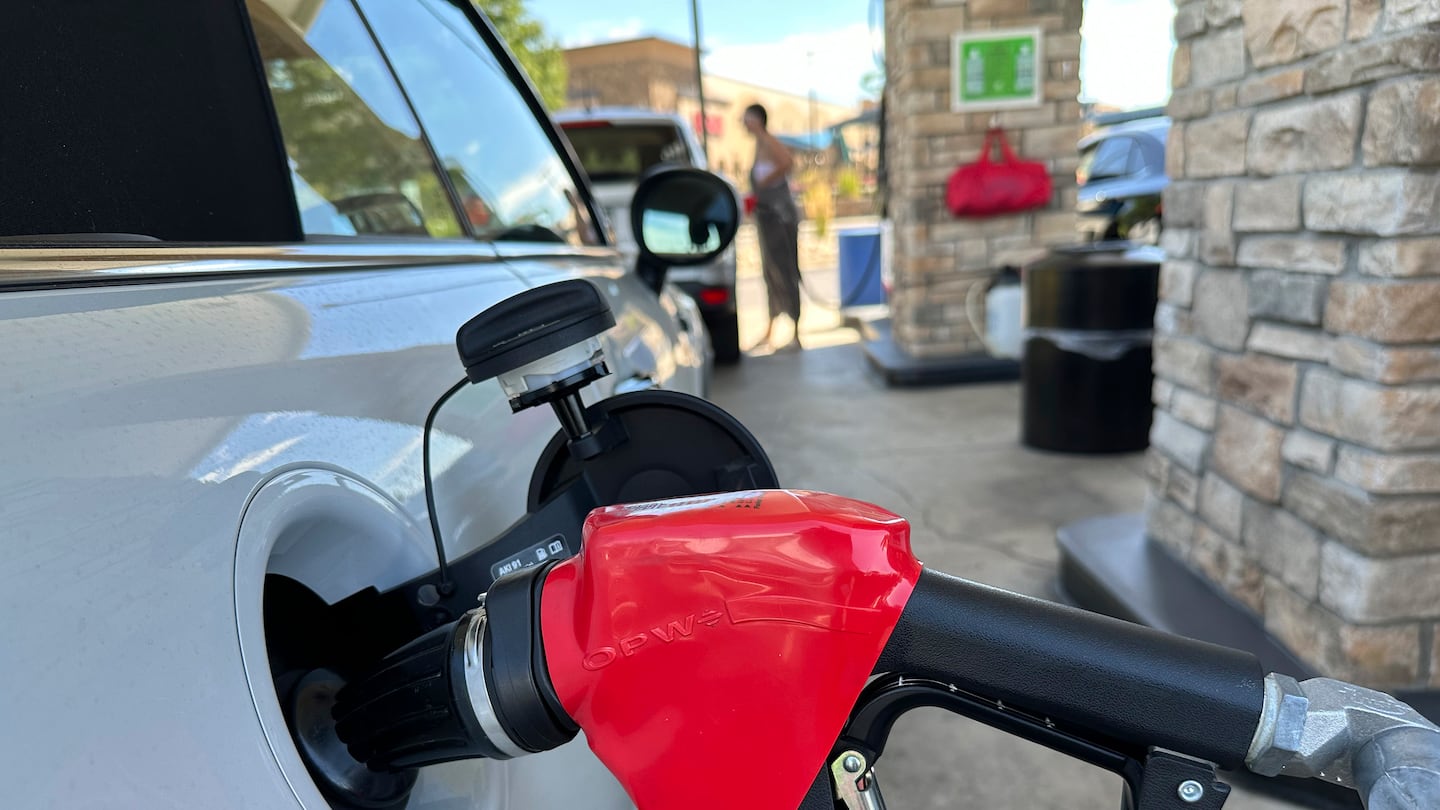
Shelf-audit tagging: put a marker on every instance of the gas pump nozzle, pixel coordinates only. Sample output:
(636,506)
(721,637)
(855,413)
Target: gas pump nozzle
(693,634)
(682,632)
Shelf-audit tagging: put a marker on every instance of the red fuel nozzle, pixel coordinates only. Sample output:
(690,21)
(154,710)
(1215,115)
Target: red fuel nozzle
(687,636)
(703,631)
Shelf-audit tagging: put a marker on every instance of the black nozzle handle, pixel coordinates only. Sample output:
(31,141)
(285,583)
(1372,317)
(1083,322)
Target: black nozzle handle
(1118,680)
(475,688)
(416,709)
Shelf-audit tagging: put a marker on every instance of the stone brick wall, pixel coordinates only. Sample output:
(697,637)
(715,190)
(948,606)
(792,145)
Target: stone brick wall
(1296,457)
(938,258)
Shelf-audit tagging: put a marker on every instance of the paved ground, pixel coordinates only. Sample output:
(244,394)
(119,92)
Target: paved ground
(982,507)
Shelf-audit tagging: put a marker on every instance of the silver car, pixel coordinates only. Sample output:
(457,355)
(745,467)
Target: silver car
(1122,178)
(236,243)
(618,145)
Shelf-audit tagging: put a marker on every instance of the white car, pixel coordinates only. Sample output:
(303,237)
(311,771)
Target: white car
(236,243)
(618,145)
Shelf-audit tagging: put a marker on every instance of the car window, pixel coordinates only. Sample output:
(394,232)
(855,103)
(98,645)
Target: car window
(618,152)
(357,160)
(1108,158)
(510,178)
(1137,160)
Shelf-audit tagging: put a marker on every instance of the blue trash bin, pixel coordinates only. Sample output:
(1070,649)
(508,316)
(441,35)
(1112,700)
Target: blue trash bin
(860,258)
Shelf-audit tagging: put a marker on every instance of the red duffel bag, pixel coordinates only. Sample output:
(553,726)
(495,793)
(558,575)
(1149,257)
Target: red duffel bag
(986,189)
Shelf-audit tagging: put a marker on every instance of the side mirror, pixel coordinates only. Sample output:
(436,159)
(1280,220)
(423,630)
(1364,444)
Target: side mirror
(681,216)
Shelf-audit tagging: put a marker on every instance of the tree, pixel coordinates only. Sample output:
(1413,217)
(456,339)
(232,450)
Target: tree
(538,53)
(872,84)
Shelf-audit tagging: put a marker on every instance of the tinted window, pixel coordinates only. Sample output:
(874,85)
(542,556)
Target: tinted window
(139,118)
(357,160)
(612,152)
(511,181)
(1109,158)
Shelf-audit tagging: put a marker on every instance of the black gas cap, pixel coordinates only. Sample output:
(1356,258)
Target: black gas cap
(532,326)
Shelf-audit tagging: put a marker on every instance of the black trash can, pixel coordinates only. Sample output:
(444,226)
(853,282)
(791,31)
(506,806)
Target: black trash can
(1086,376)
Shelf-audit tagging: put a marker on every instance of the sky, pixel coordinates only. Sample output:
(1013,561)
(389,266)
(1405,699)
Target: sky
(795,45)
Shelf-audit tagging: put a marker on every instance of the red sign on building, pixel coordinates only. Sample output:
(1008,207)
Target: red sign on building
(714,124)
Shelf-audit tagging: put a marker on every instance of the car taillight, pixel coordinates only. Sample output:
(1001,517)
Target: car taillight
(714,296)
(585,125)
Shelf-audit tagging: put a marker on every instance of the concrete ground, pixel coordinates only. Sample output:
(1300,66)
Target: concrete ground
(982,507)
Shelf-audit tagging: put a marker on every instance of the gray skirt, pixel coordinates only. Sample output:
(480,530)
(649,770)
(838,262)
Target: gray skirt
(778,222)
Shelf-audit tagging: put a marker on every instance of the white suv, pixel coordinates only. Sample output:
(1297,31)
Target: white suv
(617,145)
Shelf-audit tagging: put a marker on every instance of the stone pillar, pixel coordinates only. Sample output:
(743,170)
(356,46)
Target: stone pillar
(937,257)
(1296,458)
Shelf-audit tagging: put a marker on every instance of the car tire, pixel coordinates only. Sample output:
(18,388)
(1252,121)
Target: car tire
(725,337)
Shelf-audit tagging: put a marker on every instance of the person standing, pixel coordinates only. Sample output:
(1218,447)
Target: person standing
(778,223)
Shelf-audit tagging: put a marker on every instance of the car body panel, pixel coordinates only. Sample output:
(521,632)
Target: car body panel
(145,412)
(188,423)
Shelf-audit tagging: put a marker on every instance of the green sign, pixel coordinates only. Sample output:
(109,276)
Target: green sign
(996,70)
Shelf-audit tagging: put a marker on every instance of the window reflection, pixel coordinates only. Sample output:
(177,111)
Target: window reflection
(511,182)
(668,233)
(357,160)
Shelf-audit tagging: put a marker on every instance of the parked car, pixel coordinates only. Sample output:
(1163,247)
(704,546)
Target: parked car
(616,146)
(236,242)
(1122,176)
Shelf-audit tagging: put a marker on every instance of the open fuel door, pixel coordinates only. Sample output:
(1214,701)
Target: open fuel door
(543,347)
